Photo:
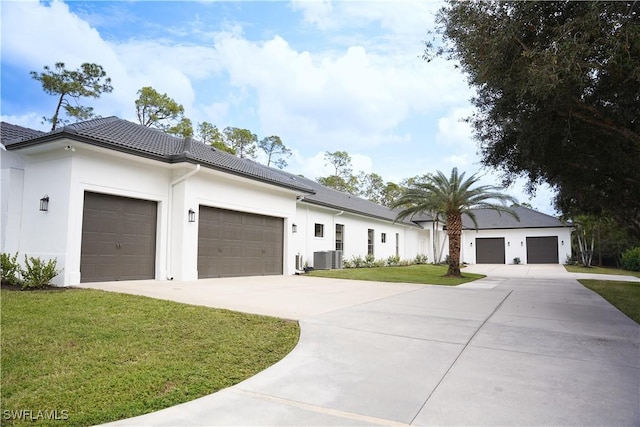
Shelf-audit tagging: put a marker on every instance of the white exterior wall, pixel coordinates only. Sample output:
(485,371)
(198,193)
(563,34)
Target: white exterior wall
(32,232)
(515,241)
(11,188)
(412,240)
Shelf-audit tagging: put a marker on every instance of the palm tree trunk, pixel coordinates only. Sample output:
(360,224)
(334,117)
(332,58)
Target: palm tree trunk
(454,231)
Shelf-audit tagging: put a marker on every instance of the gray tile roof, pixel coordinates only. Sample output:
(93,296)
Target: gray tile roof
(121,135)
(13,133)
(328,197)
(488,219)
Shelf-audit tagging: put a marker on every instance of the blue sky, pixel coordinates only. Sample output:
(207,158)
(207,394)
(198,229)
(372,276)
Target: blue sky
(322,75)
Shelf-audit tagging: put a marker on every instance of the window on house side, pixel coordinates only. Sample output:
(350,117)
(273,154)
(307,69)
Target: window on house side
(370,241)
(383,237)
(339,237)
(319,230)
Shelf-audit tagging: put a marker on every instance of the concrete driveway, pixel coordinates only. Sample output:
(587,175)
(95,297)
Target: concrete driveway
(534,348)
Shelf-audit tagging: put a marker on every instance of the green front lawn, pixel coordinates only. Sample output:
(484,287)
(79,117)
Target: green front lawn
(600,270)
(428,274)
(95,356)
(625,296)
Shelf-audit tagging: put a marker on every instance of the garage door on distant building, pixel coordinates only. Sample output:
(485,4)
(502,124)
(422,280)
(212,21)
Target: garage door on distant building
(118,238)
(542,250)
(232,243)
(490,250)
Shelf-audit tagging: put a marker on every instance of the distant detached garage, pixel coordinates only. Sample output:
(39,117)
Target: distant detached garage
(536,238)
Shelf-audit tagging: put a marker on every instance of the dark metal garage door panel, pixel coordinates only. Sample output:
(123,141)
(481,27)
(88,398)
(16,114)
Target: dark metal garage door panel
(542,250)
(118,238)
(232,243)
(490,250)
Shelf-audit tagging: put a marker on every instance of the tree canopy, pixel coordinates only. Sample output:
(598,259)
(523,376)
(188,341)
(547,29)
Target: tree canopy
(275,150)
(557,96)
(449,198)
(242,141)
(342,178)
(211,135)
(162,112)
(88,81)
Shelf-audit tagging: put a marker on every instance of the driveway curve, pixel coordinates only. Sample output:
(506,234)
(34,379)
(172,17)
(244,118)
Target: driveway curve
(515,348)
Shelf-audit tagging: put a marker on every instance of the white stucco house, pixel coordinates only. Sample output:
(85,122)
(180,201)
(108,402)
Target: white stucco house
(113,200)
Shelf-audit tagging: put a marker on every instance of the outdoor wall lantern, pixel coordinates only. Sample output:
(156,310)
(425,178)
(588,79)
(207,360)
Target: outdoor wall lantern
(521,243)
(508,243)
(563,243)
(44,203)
(294,228)
(192,215)
(471,244)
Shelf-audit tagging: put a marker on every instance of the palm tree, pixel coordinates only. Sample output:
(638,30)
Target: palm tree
(450,198)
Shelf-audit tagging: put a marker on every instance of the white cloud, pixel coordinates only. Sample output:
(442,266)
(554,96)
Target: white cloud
(354,99)
(315,12)
(29,120)
(36,34)
(454,131)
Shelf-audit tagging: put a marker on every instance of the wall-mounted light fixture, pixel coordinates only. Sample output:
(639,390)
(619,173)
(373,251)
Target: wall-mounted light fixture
(192,215)
(521,243)
(44,203)
(294,228)
(508,243)
(563,243)
(471,244)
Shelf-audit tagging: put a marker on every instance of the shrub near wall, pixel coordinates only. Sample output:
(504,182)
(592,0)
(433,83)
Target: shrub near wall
(631,259)
(36,273)
(393,261)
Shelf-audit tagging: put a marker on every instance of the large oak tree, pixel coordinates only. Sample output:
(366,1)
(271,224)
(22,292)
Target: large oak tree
(557,96)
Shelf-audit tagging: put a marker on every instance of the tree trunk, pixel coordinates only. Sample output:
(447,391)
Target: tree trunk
(454,231)
(54,119)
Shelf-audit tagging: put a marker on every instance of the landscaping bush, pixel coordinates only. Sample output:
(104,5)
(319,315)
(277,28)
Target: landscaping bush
(516,260)
(631,259)
(367,262)
(421,259)
(370,261)
(393,261)
(10,269)
(356,262)
(37,273)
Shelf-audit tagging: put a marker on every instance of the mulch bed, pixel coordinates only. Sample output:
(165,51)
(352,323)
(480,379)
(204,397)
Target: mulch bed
(11,287)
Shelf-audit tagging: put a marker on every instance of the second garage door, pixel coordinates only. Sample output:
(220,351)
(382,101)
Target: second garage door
(542,250)
(490,250)
(232,243)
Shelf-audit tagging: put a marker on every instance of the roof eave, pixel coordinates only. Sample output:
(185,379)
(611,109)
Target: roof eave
(353,211)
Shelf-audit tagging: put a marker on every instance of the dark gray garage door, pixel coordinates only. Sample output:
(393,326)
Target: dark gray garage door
(490,250)
(118,238)
(542,250)
(232,243)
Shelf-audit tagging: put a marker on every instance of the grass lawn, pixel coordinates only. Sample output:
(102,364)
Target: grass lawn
(625,296)
(423,273)
(96,356)
(600,270)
